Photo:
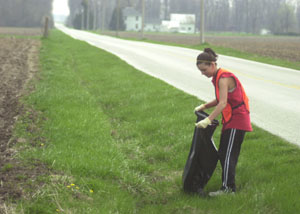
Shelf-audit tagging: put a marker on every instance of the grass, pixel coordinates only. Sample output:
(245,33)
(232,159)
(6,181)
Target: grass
(117,140)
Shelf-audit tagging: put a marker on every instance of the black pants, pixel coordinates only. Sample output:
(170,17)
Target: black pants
(229,150)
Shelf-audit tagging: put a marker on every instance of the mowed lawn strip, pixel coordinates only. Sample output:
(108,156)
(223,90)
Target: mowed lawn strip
(117,141)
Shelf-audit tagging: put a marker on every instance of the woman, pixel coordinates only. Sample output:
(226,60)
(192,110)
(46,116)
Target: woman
(231,100)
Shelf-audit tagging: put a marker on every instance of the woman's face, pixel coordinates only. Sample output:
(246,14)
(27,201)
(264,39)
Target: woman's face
(207,70)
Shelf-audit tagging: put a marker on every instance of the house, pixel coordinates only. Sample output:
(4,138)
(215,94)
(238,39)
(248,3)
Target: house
(182,23)
(170,26)
(152,25)
(132,19)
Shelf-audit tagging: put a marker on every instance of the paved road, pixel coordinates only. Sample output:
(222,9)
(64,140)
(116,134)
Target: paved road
(274,92)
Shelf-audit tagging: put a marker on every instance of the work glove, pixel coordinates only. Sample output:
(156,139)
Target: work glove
(203,123)
(200,108)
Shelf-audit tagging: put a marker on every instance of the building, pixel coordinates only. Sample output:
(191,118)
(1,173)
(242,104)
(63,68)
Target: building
(182,23)
(132,19)
(152,25)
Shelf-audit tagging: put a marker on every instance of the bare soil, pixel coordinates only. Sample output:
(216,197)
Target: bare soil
(21,31)
(18,64)
(281,47)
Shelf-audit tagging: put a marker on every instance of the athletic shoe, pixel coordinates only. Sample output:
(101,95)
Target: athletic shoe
(221,192)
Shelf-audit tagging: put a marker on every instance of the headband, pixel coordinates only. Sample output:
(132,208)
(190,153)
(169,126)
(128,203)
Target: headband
(204,61)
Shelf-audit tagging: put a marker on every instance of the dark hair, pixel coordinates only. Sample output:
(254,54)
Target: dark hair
(207,56)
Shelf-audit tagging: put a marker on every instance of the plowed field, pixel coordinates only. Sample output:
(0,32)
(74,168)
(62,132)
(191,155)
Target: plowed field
(18,63)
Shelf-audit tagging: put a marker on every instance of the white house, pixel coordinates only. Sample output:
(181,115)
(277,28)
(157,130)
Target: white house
(183,23)
(152,25)
(170,26)
(132,19)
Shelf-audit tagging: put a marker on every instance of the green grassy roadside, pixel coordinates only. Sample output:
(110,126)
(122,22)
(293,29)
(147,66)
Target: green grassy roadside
(117,140)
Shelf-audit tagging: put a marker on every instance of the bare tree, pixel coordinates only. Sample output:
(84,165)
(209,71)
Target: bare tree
(19,13)
(220,15)
(298,15)
(287,18)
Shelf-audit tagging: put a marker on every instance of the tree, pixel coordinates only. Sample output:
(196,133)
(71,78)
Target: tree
(113,21)
(220,15)
(19,13)
(153,10)
(287,18)
(298,15)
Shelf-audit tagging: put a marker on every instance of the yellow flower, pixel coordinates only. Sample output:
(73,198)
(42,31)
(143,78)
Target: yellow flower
(69,186)
(91,191)
(77,187)
(42,144)
(72,185)
(58,210)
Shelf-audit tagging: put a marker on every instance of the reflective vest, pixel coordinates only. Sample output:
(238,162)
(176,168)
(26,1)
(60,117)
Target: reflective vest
(227,111)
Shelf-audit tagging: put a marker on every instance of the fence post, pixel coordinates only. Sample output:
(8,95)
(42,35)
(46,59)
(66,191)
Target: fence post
(46,27)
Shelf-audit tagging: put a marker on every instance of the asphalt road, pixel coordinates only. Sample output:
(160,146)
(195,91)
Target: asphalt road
(274,92)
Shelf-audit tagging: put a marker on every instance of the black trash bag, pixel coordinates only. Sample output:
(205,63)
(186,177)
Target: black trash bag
(202,159)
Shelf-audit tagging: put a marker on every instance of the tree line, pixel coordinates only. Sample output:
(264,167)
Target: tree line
(21,13)
(250,16)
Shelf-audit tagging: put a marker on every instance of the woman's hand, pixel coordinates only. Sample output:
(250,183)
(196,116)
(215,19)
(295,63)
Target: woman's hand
(203,123)
(200,108)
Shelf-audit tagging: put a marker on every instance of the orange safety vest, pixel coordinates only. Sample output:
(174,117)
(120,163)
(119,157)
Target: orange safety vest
(227,111)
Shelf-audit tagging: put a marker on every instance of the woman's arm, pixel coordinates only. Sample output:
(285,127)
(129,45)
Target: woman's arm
(211,104)
(202,107)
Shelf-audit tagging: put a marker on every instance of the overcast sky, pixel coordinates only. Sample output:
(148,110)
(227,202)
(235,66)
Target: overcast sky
(60,7)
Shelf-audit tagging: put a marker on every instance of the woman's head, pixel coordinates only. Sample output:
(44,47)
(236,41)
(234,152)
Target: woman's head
(207,62)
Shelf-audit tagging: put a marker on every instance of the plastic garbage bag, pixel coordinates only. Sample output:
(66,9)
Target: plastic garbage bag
(202,159)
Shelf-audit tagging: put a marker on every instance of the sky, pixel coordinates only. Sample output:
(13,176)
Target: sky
(60,7)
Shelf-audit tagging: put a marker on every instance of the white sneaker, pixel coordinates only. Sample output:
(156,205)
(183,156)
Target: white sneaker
(220,192)
(217,193)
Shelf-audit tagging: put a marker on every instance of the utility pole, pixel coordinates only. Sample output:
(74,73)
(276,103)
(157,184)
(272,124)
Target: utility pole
(118,17)
(82,18)
(95,5)
(88,15)
(143,19)
(103,15)
(202,22)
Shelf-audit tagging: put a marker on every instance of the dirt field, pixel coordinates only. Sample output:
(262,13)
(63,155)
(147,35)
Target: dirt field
(19,62)
(286,48)
(21,31)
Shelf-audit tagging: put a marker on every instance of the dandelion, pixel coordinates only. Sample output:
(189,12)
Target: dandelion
(72,185)
(91,191)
